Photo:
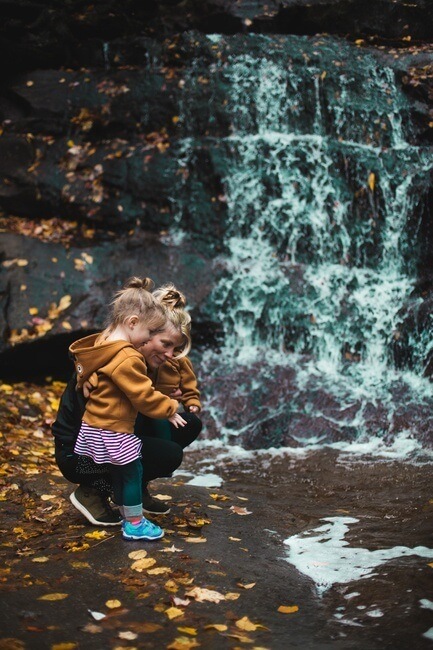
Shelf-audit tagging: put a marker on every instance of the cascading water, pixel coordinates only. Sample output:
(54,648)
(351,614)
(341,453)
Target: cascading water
(322,185)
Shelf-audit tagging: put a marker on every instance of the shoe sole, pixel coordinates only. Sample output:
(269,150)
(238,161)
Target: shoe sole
(73,499)
(132,538)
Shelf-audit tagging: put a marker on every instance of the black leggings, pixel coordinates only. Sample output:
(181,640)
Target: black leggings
(160,456)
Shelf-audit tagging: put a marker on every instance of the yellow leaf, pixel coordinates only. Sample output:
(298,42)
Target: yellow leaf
(97,534)
(216,626)
(245,624)
(80,565)
(137,555)
(175,119)
(33,311)
(48,497)
(158,570)
(371,181)
(250,585)
(195,540)
(113,604)
(53,597)
(288,609)
(87,258)
(232,595)
(6,388)
(66,325)
(430,564)
(144,563)
(64,646)
(70,143)
(188,630)
(173,612)
(41,559)
(65,302)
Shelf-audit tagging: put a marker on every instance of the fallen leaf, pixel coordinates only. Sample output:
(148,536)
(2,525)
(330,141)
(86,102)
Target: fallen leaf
(250,585)
(158,570)
(96,534)
(98,616)
(128,636)
(216,626)
(240,511)
(244,623)
(205,594)
(235,539)
(92,628)
(64,646)
(288,609)
(371,181)
(188,630)
(173,612)
(170,549)
(141,565)
(42,558)
(232,595)
(137,555)
(48,497)
(53,597)
(113,604)
(195,540)
(182,602)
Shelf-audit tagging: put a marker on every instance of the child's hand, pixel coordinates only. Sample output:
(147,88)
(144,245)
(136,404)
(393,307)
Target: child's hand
(193,409)
(177,420)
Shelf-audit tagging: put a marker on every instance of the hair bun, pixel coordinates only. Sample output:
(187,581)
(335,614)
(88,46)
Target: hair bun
(139,283)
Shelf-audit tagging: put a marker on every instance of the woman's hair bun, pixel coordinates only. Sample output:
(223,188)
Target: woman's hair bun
(139,283)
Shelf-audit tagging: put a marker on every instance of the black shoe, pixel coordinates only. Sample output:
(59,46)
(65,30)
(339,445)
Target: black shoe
(95,507)
(154,506)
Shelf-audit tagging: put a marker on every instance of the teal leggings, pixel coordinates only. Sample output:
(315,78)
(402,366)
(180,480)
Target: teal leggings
(126,481)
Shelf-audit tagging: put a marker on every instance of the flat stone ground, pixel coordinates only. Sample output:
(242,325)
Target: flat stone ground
(224,543)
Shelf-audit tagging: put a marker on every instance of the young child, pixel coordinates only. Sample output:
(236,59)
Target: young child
(123,390)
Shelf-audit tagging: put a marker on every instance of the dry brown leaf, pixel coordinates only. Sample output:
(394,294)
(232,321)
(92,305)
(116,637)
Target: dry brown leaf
(250,585)
(195,540)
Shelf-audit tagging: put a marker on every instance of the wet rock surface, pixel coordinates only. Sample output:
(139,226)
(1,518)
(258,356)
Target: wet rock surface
(245,554)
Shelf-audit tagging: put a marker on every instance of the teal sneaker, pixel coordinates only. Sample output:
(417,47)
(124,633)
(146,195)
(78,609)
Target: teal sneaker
(144,530)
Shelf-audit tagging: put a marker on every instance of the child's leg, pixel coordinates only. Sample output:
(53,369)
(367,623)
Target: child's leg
(127,488)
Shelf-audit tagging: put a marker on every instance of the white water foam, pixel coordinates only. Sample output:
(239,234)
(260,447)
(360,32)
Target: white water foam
(328,559)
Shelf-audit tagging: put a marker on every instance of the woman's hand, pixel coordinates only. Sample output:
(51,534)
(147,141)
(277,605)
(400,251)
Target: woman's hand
(177,420)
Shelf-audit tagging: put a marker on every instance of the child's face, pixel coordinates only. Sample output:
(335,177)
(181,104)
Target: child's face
(139,334)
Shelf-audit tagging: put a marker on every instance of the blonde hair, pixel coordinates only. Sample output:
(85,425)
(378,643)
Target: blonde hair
(174,303)
(135,299)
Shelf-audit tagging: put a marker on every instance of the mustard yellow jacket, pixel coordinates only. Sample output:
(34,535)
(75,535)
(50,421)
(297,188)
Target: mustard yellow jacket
(178,373)
(123,387)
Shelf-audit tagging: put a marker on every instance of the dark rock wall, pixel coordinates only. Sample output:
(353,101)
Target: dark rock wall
(91,173)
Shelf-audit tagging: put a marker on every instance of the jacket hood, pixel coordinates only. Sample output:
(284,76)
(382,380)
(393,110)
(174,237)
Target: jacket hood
(89,356)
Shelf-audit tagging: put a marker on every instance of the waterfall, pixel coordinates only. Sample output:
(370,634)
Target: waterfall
(322,181)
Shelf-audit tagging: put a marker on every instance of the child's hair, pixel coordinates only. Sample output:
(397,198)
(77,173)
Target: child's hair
(135,299)
(175,302)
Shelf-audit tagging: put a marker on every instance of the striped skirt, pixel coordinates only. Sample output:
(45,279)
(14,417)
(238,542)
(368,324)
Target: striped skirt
(107,446)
